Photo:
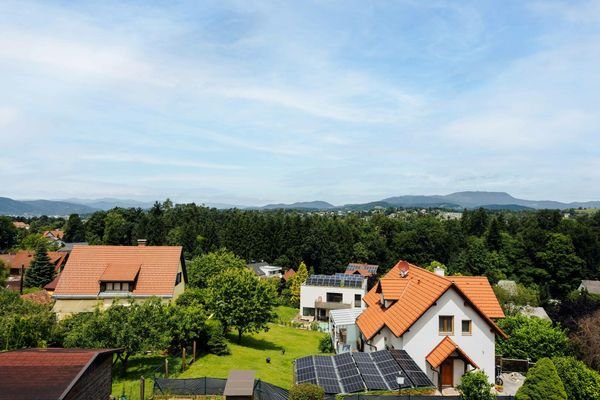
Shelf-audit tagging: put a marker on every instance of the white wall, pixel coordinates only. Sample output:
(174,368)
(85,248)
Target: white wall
(423,336)
(310,294)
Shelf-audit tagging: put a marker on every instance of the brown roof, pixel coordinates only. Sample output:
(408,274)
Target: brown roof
(43,374)
(413,295)
(443,350)
(158,266)
(39,297)
(52,285)
(20,225)
(289,274)
(360,271)
(24,257)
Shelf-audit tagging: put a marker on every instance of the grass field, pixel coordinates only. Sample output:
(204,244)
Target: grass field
(250,354)
(254,350)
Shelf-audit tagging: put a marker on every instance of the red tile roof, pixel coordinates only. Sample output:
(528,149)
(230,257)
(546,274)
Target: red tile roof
(24,258)
(57,233)
(443,350)
(411,296)
(158,266)
(289,274)
(52,285)
(43,374)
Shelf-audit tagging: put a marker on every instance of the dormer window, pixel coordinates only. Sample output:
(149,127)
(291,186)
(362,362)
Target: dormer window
(117,287)
(119,278)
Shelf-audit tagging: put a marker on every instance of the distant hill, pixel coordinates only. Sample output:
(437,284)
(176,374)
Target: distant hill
(41,207)
(306,205)
(109,203)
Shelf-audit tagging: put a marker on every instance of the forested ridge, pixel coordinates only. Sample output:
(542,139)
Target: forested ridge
(538,247)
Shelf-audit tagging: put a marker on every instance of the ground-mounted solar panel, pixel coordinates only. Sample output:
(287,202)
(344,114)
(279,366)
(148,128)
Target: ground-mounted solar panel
(343,359)
(353,384)
(411,369)
(304,362)
(331,386)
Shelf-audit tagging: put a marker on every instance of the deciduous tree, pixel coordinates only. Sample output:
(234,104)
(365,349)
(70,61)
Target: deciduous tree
(74,229)
(242,301)
(203,267)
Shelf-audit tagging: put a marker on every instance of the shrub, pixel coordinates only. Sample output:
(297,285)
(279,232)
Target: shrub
(216,343)
(325,345)
(581,382)
(532,338)
(306,391)
(475,386)
(542,383)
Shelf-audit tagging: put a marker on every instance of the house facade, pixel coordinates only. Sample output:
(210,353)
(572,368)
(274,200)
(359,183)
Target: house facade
(321,293)
(100,275)
(445,323)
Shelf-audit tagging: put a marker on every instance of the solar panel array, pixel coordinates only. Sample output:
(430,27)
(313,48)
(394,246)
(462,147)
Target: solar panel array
(337,280)
(369,268)
(357,372)
(411,370)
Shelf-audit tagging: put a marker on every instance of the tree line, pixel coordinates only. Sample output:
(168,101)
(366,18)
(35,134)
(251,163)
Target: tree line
(540,248)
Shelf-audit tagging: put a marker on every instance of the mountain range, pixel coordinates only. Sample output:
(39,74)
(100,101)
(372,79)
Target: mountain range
(458,201)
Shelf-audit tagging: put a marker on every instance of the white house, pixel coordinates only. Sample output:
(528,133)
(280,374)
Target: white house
(445,323)
(322,293)
(265,270)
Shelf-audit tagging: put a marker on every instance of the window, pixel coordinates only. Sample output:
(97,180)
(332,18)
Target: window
(334,297)
(357,300)
(466,327)
(116,287)
(446,325)
(178,279)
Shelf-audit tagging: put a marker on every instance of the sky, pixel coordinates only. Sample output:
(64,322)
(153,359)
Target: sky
(250,103)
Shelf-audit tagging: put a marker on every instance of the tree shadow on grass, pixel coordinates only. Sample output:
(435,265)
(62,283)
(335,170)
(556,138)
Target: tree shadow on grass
(258,344)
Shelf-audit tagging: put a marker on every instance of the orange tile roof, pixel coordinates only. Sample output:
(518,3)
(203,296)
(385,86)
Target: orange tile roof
(413,295)
(86,265)
(120,272)
(24,258)
(443,350)
(480,292)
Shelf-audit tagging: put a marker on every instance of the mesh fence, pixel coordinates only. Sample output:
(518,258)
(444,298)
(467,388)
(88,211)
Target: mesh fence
(406,397)
(195,386)
(214,386)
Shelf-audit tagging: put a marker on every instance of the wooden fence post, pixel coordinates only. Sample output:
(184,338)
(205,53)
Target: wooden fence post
(167,368)
(142,388)
(183,359)
(194,351)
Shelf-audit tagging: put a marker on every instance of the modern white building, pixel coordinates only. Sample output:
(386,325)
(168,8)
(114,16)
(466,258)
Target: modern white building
(345,335)
(265,270)
(322,293)
(445,323)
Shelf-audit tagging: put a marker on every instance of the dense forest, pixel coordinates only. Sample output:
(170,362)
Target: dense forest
(542,248)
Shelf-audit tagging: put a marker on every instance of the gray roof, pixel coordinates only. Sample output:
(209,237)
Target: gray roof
(591,286)
(535,312)
(509,286)
(256,267)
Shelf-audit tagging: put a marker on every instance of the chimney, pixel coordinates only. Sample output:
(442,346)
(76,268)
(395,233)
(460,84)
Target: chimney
(404,269)
(439,271)
(142,242)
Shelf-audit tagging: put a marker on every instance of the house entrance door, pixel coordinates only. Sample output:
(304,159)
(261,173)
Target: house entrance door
(448,372)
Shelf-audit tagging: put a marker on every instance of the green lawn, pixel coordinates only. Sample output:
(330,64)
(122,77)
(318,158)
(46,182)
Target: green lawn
(251,354)
(286,314)
(254,350)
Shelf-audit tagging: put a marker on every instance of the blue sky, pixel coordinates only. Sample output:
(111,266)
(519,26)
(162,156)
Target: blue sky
(255,102)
